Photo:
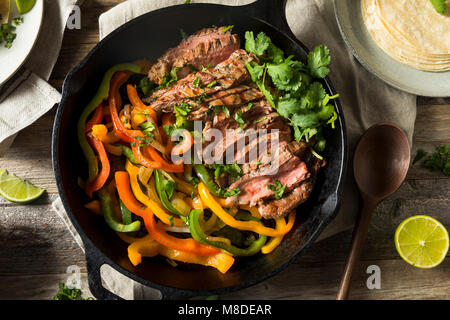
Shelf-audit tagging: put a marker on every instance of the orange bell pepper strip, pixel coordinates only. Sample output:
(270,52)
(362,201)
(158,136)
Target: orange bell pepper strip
(100,179)
(170,167)
(95,207)
(185,245)
(137,102)
(137,151)
(184,145)
(96,118)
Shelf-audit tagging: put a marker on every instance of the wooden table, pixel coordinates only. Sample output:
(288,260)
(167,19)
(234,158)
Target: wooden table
(36,248)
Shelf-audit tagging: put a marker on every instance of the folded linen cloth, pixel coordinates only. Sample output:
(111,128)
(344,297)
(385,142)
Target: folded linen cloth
(365,99)
(27,95)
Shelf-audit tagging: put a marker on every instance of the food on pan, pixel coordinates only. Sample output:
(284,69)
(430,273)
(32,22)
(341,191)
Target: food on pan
(204,155)
(412,32)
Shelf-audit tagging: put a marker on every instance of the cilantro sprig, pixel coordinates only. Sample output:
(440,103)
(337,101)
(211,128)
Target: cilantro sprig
(277,188)
(436,161)
(290,87)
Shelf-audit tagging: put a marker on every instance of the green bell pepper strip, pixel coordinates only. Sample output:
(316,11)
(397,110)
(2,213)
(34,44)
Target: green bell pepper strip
(127,152)
(126,214)
(205,177)
(108,214)
(198,234)
(159,180)
(102,94)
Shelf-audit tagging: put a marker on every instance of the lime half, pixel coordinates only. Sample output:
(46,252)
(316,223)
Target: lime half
(17,190)
(4,11)
(24,6)
(422,241)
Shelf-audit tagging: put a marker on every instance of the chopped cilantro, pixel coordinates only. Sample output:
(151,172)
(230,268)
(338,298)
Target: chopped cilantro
(211,84)
(66,293)
(224,109)
(278,189)
(239,119)
(419,155)
(226,28)
(232,169)
(17,21)
(439,160)
(183,110)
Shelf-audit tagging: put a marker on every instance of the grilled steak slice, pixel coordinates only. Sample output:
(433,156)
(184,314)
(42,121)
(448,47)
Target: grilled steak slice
(208,46)
(225,75)
(278,208)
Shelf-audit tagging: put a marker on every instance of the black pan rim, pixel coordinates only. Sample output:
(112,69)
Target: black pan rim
(106,260)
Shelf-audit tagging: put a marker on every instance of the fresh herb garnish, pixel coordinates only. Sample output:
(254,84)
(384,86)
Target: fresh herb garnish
(7,35)
(439,160)
(17,21)
(199,99)
(169,187)
(439,5)
(238,118)
(187,2)
(206,68)
(419,155)
(218,109)
(250,106)
(226,28)
(232,169)
(229,193)
(66,293)
(211,84)
(278,189)
(183,109)
(289,86)
(197,82)
(170,77)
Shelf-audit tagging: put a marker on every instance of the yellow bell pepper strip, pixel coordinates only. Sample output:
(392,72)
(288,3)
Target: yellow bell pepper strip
(137,102)
(100,131)
(102,94)
(275,241)
(186,245)
(254,226)
(94,206)
(100,180)
(127,238)
(133,171)
(253,210)
(147,247)
(108,214)
(182,185)
(198,234)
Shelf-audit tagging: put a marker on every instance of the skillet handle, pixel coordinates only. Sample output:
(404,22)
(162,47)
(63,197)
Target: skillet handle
(271,11)
(94,261)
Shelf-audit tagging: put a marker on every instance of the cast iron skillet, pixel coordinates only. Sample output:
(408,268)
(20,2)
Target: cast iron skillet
(149,36)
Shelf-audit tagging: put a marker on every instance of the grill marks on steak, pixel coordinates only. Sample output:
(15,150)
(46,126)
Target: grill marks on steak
(227,74)
(208,46)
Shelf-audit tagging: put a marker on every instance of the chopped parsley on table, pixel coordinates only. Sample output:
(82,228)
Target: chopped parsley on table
(437,161)
(289,86)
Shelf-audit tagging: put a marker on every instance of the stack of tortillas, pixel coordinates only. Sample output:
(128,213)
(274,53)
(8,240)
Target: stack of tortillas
(411,31)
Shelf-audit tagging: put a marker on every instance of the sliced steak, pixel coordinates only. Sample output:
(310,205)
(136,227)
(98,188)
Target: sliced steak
(208,46)
(278,208)
(225,75)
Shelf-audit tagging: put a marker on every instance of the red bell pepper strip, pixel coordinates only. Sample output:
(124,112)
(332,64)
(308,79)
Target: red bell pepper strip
(96,118)
(186,245)
(137,102)
(100,179)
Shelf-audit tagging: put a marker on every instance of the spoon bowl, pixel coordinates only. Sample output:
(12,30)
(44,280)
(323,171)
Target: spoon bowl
(381,160)
(380,165)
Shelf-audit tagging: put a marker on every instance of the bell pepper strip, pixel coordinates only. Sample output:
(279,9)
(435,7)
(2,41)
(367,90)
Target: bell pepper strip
(113,149)
(254,226)
(133,171)
(94,206)
(144,64)
(205,177)
(127,238)
(126,214)
(96,118)
(147,247)
(137,152)
(275,241)
(101,178)
(102,94)
(127,152)
(186,245)
(159,181)
(182,185)
(198,234)
(169,167)
(137,102)
(253,210)
(100,131)
(184,145)
(108,214)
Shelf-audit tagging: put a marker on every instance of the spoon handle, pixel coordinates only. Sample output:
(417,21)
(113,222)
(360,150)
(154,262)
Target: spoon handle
(359,236)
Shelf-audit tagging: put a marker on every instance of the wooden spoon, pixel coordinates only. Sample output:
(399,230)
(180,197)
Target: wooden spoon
(380,164)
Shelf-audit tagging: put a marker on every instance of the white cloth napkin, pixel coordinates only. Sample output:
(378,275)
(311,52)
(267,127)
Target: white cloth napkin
(365,99)
(27,95)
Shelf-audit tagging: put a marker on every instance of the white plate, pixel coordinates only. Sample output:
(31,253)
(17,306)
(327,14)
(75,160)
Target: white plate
(374,59)
(27,33)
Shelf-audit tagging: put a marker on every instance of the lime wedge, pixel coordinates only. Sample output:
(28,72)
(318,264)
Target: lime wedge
(4,11)
(422,241)
(17,190)
(24,6)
